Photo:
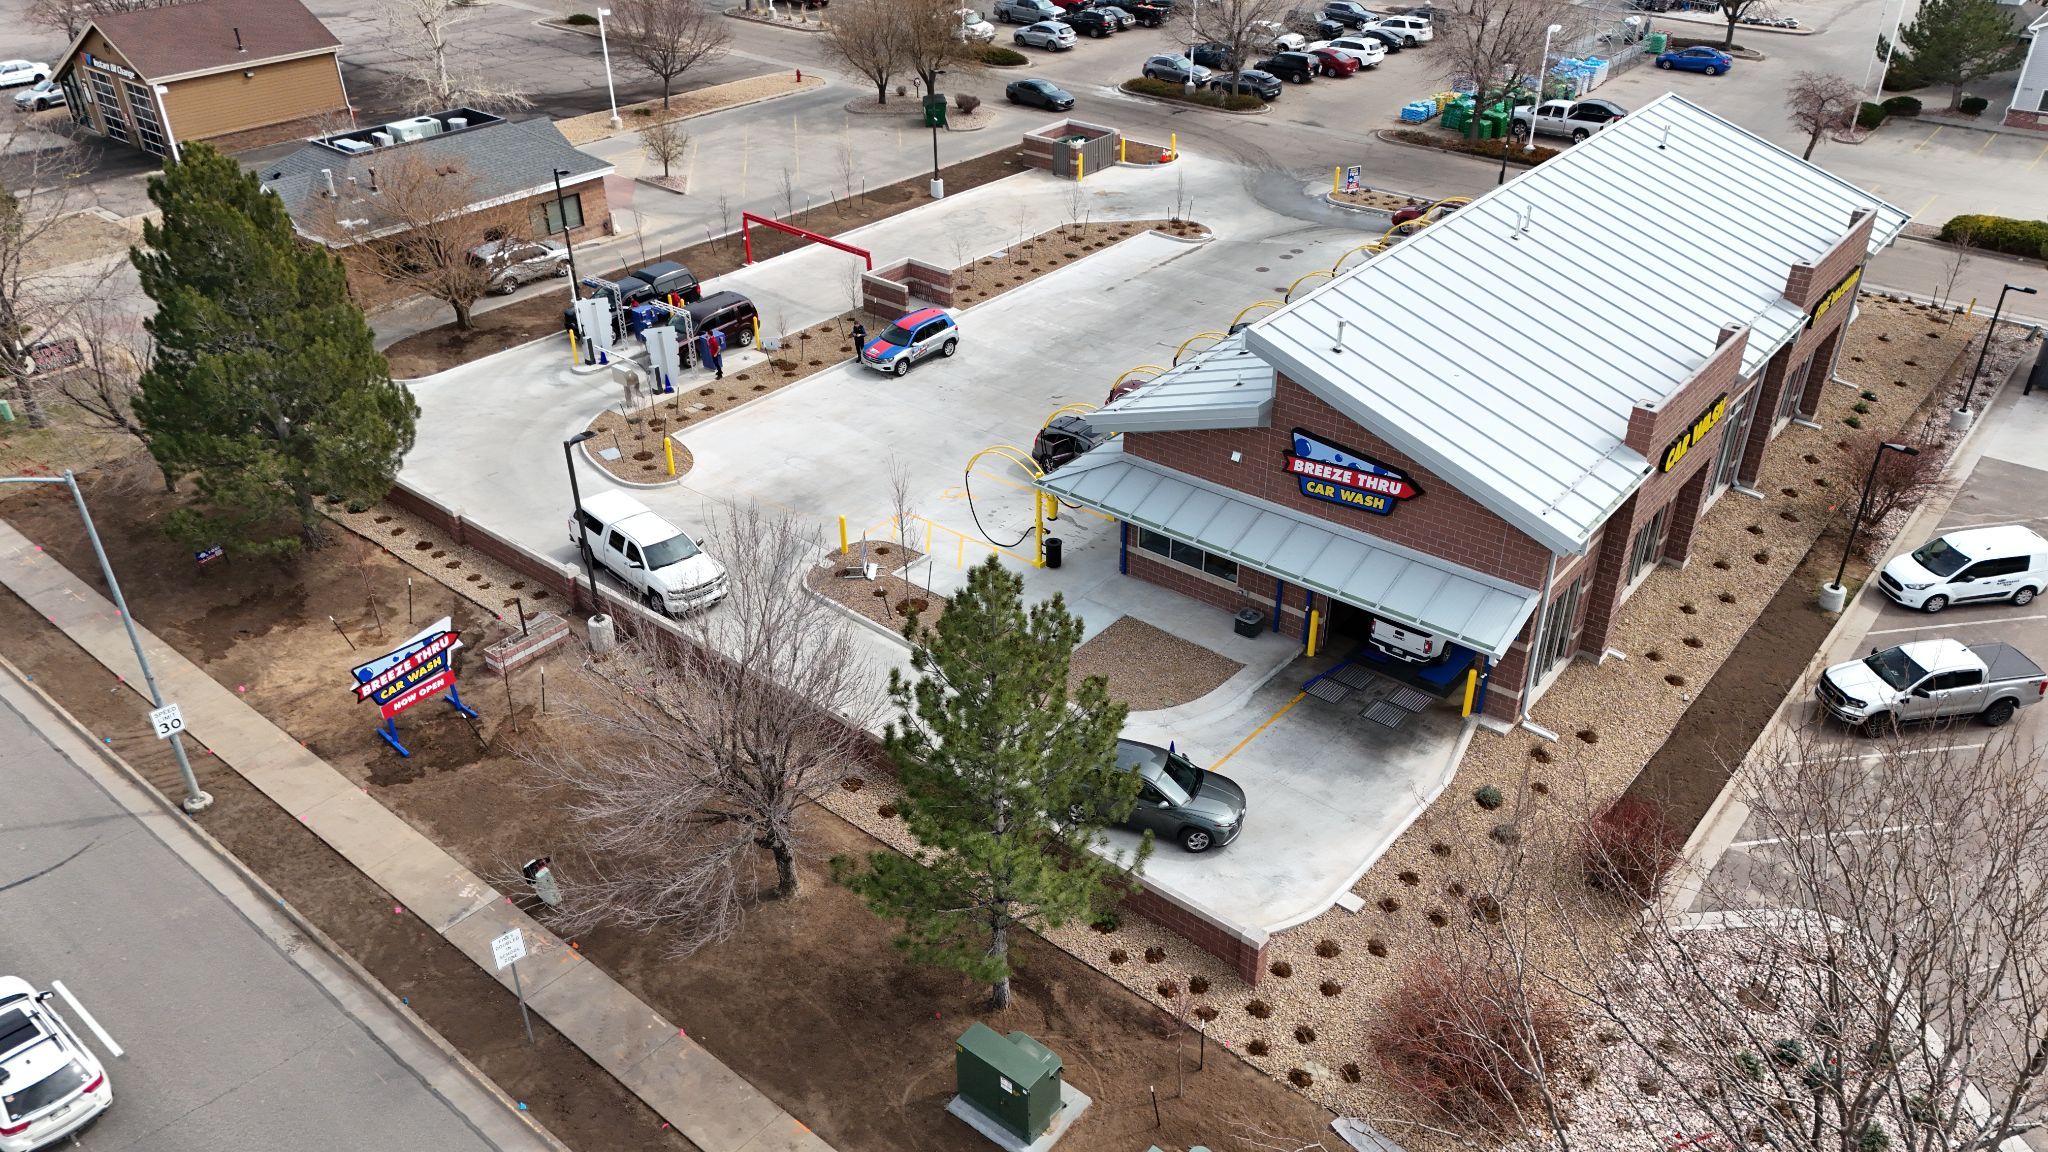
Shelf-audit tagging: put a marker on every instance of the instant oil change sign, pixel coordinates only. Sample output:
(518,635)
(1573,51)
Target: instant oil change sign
(1340,475)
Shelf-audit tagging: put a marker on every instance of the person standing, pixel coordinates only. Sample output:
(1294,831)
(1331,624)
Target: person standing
(715,341)
(860,339)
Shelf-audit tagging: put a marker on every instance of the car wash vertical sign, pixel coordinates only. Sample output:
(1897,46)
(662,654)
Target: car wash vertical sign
(1340,475)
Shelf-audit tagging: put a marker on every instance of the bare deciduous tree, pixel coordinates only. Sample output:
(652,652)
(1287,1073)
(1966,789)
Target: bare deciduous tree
(1229,23)
(422,232)
(928,32)
(1960,245)
(430,80)
(1885,983)
(1734,10)
(41,290)
(664,142)
(864,36)
(1821,102)
(70,16)
(1491,41)
(1901,483)
(117,351)
(691,777)
(667,38)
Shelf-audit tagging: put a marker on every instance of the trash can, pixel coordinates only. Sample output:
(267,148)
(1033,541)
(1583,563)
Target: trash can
(1250,621)
(1654,43)
(1052,551)
(537,873)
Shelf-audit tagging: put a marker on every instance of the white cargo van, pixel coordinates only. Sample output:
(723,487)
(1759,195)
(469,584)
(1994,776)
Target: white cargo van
(2007,562)
(656,561)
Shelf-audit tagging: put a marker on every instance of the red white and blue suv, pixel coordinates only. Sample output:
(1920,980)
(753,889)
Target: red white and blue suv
(925,332)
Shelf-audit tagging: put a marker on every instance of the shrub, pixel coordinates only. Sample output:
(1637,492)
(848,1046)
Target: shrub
(1972,105)
(1001,57)
(1900,77)
(580,19)
(1458,1039)
(1487,797)
(1902,106)
(1167,90)
(1328,949)
(1788,1052)
(966,104)
(1488,148)
(1750,1064)
(1198,984)
(1630,848)
(1869,116)
(1282,969)
(2001,234)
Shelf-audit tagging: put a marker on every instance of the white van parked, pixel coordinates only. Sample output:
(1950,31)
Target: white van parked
(657,561)
(2007,562)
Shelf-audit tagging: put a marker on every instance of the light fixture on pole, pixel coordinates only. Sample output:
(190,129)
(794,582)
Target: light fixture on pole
(604,45)
(935,111)
(576,499)
(1834,596)
(1542,64)
(196,800)
(562,211)
(1960,419)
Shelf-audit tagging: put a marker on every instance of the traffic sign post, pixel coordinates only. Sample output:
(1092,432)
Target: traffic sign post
(508,950)
(168,721)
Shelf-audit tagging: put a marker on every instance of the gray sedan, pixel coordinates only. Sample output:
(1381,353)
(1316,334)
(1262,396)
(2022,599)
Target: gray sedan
(1177,801)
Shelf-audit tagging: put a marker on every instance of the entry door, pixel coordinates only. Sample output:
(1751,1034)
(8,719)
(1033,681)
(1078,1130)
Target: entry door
(1733,441)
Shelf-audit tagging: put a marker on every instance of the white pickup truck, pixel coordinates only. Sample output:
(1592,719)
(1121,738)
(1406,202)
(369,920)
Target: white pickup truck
(657,561)
(1931,680)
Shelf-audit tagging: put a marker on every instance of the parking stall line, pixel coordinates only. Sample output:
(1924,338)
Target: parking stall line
(1988,142)
(1770,840)
(2038,158)
(1284,709)
(1950,625)
(1928,140)
(1865,756)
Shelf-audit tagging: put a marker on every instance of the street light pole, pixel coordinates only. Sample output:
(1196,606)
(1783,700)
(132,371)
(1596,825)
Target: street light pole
(1542,63)
(1834,596)
(1507,142)
(576,496)
(196,800)
(938,182)
(605,46)
(1963,416)
(562,211)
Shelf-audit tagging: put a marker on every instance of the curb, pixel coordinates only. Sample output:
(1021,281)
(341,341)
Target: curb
(743,14)
(1725,817)
(1380,134)
(1330,198)
(307,928)
(625,128)
(1164,102)
(1722,25)
(671,482)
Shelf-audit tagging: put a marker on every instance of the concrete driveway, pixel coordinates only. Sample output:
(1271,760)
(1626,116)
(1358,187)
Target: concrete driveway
(1329,790)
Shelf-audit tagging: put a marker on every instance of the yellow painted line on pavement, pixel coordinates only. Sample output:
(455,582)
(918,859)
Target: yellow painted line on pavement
(1261,728)
(1926,206)
(1989,140)
(1929,140)
(2037,159)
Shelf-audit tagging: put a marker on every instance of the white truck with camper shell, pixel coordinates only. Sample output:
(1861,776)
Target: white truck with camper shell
(1931,680)
(656,561)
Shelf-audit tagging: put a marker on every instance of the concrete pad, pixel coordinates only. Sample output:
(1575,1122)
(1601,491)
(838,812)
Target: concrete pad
(787,1135)
(681,1070)
(280,772)
(1073,1102)
(1327,793)
(365,832)
(431,884)
(547,958)
(618,1030)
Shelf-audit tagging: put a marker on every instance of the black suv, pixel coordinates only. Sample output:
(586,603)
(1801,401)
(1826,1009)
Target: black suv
(1349,13)
(1294,67)
(1090,22)
(657,281)
(1251,81)
(1213,55)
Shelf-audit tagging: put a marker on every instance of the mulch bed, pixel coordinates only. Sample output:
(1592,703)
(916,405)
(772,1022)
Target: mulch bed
(638,435)
(439,349)
(1148,667)
(889,599)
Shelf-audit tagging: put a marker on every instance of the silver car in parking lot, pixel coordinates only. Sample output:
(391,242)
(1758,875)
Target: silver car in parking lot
(515,262)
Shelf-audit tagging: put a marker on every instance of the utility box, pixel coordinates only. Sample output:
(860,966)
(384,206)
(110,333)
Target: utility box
(1011,1090)
(935,110)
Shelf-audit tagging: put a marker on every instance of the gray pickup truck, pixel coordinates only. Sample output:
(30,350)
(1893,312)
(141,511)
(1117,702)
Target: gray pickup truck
(1931,680)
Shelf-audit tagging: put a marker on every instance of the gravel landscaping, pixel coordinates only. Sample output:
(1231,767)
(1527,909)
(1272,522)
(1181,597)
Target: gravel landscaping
(889,598)
(1148,667)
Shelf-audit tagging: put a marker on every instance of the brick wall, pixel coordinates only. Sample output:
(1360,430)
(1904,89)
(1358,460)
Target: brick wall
(1245,955)
(1442,521)
(886,293)
(2015,118)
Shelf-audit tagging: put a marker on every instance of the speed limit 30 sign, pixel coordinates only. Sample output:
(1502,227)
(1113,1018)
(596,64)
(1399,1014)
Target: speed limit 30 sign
(168,721)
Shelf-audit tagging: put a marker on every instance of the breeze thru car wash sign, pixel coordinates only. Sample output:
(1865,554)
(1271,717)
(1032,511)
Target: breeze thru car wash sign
(1340,475)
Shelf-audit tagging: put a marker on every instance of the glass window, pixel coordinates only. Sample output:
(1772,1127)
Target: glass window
(1554,644)
(1795,384)
(111,119)
(1649,543)
(617,541)
(142,102)
(1894,667)
(632,554)
(2005,567)
(1961,678)
(1937,557)
(673,550)
(571,205)
(2044,102)
(1183,553)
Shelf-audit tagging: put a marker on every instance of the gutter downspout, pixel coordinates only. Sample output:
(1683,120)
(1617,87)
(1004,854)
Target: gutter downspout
(345,102)
(163,119)
(1531,675)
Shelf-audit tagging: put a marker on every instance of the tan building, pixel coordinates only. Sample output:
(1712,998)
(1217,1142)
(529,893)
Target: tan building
(239,73)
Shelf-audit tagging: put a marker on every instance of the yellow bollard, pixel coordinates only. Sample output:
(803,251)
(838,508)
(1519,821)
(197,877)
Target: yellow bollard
(669,446)
(842,535)
(757,330)
(1120,142)
(1973,306)
(1080,167)
(1173,144)
(1471,687)
(1336,179)
(573,357)
(1038,507)
(1314,619)
(1052,508)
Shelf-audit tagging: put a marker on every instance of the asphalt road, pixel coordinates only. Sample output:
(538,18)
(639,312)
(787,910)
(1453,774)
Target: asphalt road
(231,1045)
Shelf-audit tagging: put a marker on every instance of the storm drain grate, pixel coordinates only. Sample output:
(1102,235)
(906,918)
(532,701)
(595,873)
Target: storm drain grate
(1325,688)
(1410,699)
(1353,676)
(1383,712)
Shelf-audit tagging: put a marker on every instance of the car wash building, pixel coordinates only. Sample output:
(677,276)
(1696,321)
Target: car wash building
(1462,457)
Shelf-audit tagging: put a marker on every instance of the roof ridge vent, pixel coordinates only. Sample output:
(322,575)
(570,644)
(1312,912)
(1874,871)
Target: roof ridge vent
(1522,222)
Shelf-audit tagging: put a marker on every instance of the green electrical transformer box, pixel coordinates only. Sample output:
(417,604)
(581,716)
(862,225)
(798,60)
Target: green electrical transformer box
(1013,1080)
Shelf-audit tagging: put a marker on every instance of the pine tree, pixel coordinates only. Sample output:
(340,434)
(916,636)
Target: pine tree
(1953,42)
(994,755)
(266,390)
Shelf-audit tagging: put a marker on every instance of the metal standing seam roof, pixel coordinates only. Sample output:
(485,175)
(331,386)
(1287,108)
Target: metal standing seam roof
(1432,595)
(1226,386)
(1508,358)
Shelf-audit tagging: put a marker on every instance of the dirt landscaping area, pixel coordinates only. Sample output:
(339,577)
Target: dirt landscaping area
(594,126)
(809,1001)
(439,349)
(1148,667)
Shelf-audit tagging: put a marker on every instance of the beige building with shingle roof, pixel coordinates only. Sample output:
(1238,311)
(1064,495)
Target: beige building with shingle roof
(239,73)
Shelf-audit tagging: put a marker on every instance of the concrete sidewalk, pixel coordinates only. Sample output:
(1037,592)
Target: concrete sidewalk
(687,1086)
